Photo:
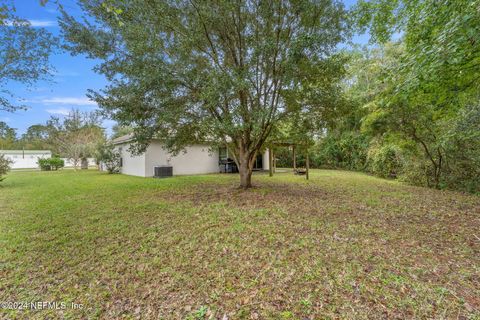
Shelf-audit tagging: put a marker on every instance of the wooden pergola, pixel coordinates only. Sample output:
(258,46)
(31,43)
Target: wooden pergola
(272,162)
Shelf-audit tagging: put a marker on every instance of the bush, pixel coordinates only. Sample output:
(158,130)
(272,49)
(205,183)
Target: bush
(50,164)
(4,166)
(56,163)
(44,164)
(461,144)
(108,157)
(385,161)
(347,151)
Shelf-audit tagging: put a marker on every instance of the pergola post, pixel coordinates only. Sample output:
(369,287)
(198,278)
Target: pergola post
(294,159)
(307,164)
(270,162)
(274,161)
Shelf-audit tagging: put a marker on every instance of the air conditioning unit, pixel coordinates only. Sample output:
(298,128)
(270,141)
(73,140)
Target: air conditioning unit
(162,171)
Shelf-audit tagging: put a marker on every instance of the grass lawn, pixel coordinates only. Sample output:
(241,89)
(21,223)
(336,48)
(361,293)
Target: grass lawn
(342,245)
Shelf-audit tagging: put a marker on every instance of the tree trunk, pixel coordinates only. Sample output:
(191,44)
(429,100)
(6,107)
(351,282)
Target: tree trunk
(245,167)
(84,163)
(245,176)
(75,163)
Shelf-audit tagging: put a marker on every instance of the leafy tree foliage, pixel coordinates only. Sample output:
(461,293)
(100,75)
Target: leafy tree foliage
(461,142)
(77,135)
(341,149)
(108,157)
(4,166)
(121,130)
(37,137)
(441,40)
(413,133)
(51,164)
(8,136)
(417,113)
(24,53)
(222,71)
(416,101)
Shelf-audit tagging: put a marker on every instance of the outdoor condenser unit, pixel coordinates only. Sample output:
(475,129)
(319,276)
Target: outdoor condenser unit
(162,171)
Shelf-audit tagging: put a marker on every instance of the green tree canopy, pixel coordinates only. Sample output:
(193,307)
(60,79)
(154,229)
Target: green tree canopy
(8,136)
(24,53)
(441,39)
(37,137)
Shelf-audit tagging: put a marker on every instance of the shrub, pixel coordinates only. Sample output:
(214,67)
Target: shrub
(56,163)
(43,164)
(385,160)
(4,166)
(461,144)
(416,171)
(49,164)
(108,157)
(347,151)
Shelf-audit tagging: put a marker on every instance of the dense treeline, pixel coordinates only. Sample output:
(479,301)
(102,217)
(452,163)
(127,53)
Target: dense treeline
(418,136)
(412,108)
(35,138)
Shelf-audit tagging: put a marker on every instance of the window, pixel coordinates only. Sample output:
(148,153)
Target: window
(223,153)
(258,162)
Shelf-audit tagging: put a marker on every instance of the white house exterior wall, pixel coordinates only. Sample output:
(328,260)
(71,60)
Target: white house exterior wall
(197,159)
(131,164)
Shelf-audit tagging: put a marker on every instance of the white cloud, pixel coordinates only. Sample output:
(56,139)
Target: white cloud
(43,23)
(60,111)
(33,22)
(75,101)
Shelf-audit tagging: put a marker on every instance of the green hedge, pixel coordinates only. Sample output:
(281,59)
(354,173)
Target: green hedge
(50,164)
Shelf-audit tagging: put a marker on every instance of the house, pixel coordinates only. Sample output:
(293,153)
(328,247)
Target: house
(25,159)
(196,159)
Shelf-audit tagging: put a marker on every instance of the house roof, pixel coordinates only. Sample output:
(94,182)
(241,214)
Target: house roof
(130,136)
(127,138)
(122,139)
(25,152)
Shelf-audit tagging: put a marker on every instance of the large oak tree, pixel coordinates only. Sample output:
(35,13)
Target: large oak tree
(226,72)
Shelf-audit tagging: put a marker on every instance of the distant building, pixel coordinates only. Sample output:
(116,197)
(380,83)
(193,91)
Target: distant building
(25,159)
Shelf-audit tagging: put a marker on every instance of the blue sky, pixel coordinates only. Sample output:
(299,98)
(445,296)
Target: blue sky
(71,80)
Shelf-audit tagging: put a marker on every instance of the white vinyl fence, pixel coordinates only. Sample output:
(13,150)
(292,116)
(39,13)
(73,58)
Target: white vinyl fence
(32,163)
(28,159)
(69,163)
(25,163)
